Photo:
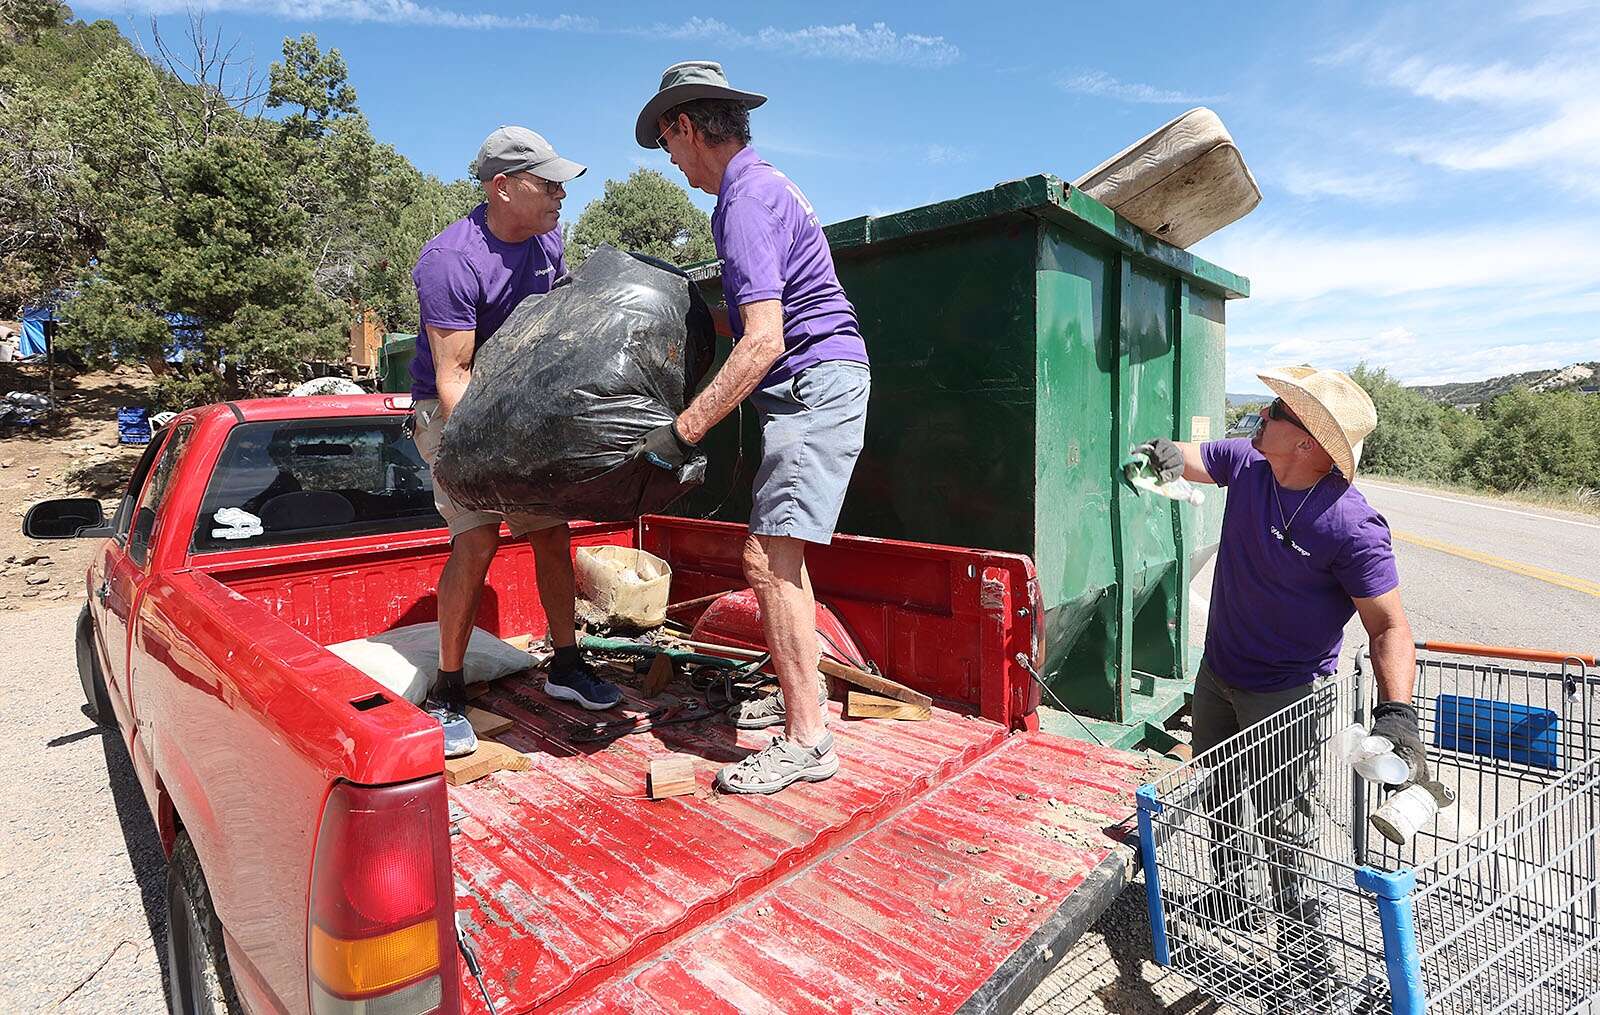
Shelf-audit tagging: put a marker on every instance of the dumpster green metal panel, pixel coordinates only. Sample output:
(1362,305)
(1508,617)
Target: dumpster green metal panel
(394,362)
(1023,340)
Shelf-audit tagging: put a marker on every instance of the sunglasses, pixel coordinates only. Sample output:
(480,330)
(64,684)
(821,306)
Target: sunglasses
(1280,412)
(661,140)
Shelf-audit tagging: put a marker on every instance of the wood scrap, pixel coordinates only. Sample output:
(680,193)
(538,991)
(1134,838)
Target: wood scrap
(833,668)
(522,641)
(872,682)
(486,723)
(670,777)
(861,705)
(661,673)
(490,757)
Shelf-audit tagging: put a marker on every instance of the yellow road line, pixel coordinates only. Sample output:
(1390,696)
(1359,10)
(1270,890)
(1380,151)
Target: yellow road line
(1565,581)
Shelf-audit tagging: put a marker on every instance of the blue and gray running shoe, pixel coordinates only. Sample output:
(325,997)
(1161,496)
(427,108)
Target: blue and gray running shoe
(578,682)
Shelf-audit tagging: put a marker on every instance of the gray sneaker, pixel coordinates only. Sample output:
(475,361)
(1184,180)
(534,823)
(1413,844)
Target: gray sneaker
(778,764)
(759,713)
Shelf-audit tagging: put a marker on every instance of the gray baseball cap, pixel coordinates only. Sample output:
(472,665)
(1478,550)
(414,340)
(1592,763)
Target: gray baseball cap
(518,150)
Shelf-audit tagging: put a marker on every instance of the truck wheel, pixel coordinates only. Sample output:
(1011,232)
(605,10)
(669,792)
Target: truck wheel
(198,980)
(90,675)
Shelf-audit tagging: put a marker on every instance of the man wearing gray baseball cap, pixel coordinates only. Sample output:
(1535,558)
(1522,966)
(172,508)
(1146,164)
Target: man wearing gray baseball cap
(469,279)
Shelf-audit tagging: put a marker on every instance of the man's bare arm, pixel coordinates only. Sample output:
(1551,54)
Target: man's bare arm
(452,365)
(1194,468)
(752,356)
(1393,647)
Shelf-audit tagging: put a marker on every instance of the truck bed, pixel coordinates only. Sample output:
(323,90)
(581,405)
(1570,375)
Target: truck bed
(944,867)
(865,892)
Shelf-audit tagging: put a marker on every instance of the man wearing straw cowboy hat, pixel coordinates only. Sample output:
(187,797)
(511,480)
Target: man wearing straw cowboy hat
(1301,552)
(799,357)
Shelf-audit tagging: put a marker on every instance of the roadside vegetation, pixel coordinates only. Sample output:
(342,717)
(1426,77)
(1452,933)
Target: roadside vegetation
(1540,447)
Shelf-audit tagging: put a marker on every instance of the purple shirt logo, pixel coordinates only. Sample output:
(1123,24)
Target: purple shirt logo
(772,248)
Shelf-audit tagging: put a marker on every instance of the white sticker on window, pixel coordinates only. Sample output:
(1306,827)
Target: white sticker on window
(240,523)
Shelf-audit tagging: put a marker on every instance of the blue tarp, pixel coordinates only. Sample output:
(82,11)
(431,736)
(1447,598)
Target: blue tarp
(32,340)
(186,334)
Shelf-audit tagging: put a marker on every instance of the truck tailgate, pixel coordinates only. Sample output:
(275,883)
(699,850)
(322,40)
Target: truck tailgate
(915,879)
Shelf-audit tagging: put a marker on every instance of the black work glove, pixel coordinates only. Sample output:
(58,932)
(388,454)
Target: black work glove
(1397,722)
(1165,457)
(663,448)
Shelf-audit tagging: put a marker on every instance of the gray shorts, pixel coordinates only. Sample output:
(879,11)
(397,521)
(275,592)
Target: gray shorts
(812,426)
(426,426)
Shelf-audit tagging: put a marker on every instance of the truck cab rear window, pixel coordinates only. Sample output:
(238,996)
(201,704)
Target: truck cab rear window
(299,481)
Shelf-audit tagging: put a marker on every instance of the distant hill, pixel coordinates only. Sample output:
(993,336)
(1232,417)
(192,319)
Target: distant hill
(1477,392)
(1238,399)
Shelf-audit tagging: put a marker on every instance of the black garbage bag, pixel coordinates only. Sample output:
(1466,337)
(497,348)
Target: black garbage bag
(567,386)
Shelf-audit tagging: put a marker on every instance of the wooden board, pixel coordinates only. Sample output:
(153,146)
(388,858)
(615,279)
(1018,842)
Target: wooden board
(490,757)
(861,705)
(522,641)
(660,675)
(671,777)
(486,723)
(872,682)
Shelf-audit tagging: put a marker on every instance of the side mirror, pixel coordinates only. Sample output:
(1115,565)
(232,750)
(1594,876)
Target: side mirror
(65,518)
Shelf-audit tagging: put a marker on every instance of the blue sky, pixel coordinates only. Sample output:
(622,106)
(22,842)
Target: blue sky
(1431,173)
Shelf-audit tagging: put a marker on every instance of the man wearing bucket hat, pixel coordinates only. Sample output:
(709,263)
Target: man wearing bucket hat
(469,279)
(800,359)
(1301,552)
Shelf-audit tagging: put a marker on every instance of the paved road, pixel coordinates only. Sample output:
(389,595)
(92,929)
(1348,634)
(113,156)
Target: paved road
(1494,572)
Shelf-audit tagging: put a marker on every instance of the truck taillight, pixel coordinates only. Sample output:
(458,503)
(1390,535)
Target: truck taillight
(381,930)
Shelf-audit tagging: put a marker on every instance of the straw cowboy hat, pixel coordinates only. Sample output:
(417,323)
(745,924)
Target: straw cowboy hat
(683,82)
(1335,409)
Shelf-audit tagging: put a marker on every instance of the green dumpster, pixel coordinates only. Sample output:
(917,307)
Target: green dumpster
(1024,339)
(394,362)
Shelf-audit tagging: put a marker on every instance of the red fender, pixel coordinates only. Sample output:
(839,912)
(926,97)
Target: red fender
(735,619)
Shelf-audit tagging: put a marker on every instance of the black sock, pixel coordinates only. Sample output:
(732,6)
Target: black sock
(453,688)
(567,657)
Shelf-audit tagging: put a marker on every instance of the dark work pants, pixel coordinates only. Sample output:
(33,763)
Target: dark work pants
(1279,785)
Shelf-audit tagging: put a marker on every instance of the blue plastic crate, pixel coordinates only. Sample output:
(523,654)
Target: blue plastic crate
(1520,734)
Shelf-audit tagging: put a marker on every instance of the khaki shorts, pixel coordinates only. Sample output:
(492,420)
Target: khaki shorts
(426,426)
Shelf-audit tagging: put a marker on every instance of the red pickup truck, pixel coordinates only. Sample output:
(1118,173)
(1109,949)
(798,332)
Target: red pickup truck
(320,863)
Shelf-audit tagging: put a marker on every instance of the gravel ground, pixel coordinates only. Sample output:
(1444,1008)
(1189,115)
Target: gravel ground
(82,876)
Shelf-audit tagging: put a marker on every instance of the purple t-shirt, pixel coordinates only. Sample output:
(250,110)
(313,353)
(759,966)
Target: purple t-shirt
(772,248)
(468,279)
(1278,612)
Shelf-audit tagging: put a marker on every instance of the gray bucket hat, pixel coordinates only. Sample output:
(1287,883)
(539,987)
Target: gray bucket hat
(683,82)
(519,150)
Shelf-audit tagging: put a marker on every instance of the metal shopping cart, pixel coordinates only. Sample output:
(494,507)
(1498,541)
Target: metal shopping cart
(1269,889)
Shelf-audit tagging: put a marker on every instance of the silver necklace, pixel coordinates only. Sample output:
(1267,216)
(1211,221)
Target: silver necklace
(1289,522)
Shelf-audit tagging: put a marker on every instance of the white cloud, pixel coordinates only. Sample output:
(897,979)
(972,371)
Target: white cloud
(946,155)
(875,43)
(1100,83)
(1541,117)
(1366,188)
(391,12)
(1298,264)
